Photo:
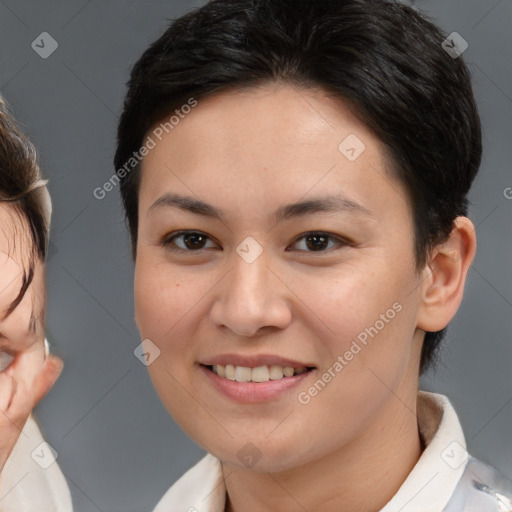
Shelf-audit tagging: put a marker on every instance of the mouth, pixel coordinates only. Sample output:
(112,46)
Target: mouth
(257,374)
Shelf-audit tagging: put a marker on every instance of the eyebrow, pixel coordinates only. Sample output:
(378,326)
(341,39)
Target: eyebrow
(332,203)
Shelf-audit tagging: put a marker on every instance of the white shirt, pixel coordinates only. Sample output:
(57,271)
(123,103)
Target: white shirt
(430,487)
(32,480)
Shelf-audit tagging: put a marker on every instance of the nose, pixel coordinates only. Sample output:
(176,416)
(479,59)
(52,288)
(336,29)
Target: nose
(251,297)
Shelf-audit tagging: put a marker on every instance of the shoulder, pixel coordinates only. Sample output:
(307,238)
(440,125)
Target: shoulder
(481,488)
(31,478)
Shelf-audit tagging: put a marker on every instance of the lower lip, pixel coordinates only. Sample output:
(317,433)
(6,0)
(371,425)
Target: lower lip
(252,392)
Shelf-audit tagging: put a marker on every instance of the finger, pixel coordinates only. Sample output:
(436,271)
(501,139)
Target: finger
(7,389)
(20,405)
(32,382)
(28,363)
(25,399)
(45,380)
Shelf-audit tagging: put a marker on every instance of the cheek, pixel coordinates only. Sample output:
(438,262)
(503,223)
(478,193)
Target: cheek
(369,323)
(167,303)
(25,324)
(10,280)
(159,298)
(344,303)
(161,301)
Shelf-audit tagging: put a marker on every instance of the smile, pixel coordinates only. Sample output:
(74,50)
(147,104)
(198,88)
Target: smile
(253,384)
(256,374)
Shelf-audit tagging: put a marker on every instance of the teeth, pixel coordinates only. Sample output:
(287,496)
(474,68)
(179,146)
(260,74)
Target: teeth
(242,374)
(230,371)
(258,374)
(288,371)
(276,372)
(221,370)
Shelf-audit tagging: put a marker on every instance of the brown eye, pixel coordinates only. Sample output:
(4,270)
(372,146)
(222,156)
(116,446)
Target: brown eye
(192,241)
(317,241)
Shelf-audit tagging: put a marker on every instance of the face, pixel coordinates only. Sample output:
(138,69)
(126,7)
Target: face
(25,325)
(322,298)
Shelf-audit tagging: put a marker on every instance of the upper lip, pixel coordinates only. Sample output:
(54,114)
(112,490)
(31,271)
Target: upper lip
(254,361)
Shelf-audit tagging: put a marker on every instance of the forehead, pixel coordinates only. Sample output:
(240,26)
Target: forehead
(15,237)
(271,141)
(276,116)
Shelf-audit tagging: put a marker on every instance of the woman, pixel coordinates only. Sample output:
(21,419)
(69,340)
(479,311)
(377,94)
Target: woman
(295,179)
(29,479)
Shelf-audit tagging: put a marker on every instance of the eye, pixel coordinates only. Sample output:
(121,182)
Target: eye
(193,241)
(318,241)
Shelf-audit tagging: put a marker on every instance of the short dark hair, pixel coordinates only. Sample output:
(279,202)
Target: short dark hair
(19,170)
(383,58)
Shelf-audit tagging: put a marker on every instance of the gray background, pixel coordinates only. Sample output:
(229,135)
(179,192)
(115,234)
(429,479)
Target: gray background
(117,446)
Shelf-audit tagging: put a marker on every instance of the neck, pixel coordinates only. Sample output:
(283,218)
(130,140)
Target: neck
(363,475)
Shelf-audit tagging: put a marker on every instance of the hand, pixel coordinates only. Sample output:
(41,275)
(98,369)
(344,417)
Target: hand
(22,385)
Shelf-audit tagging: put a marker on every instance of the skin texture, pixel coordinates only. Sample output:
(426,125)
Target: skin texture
(249,152)
(29,376)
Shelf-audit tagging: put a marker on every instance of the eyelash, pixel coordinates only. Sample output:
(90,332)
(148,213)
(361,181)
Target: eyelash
(167,241)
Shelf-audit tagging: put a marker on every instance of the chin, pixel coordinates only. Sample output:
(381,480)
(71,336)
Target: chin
(259,455)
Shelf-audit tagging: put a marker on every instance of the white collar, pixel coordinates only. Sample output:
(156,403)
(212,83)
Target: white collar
(428,487)
(31,478)
(432,481)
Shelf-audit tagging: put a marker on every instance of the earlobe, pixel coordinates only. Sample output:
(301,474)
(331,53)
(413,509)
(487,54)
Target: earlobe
(445,276)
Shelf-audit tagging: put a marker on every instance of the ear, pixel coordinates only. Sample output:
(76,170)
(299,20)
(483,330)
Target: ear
(444,277)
